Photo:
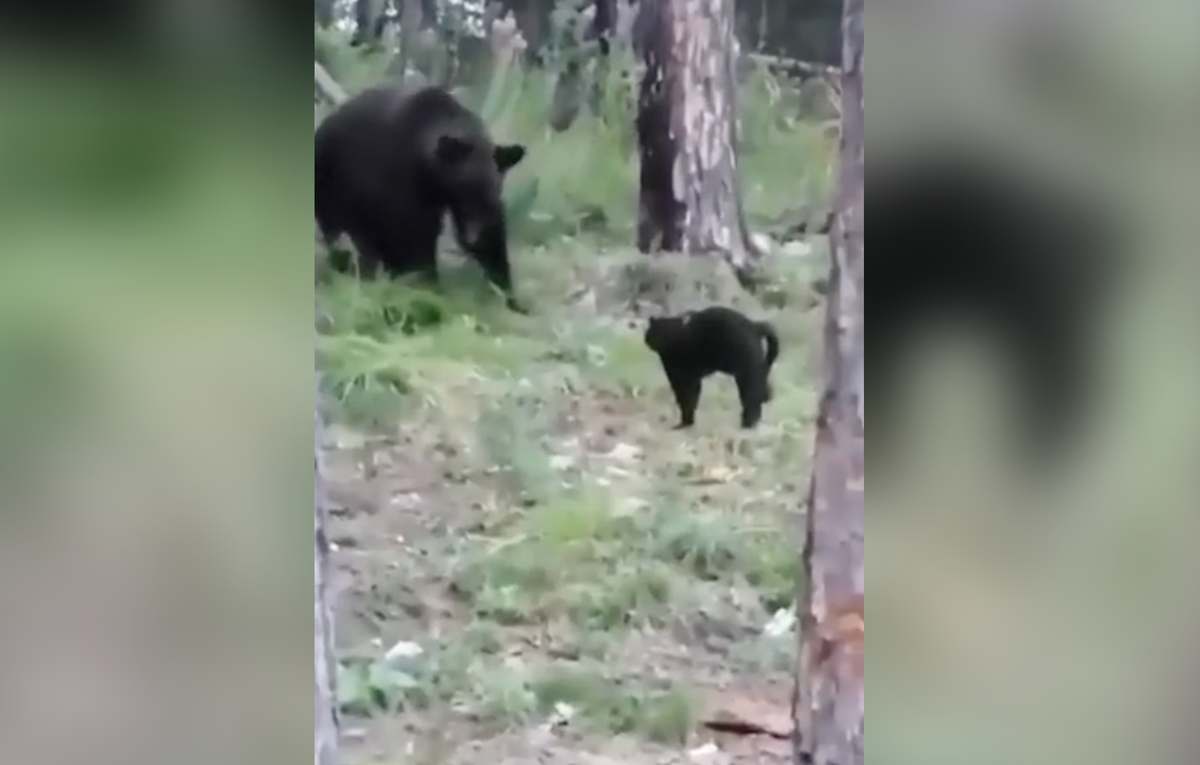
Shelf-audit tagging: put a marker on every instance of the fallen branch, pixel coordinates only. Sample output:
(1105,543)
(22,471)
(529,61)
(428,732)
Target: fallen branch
(330,90)
(794,65)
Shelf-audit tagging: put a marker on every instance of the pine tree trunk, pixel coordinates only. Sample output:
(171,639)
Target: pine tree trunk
(830,701)
(325,738)
(687,133)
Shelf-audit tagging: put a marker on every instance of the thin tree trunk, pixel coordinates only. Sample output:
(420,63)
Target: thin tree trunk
(603,31)
(325,731)
(687,132)
(412,23)
(603,25)
(369,16)
(325,12)
(531,17)
(830,701)
(326,726)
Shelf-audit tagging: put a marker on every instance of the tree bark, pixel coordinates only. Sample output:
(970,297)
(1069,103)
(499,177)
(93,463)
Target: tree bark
(687,133)
(325,731)
(829,703)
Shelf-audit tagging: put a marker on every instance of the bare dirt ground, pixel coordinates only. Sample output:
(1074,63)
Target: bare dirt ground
(403,508)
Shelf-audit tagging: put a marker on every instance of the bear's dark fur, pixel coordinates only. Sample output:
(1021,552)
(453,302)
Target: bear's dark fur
(391,162)
(696,344)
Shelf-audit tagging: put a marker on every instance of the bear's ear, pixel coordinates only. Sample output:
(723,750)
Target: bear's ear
(452,149)
(507,156)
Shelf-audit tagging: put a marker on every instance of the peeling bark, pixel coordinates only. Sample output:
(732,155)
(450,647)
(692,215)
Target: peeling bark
(829,701)
(687,133)
(325,731)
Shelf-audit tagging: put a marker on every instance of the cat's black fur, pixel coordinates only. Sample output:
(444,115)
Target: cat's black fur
(696,344)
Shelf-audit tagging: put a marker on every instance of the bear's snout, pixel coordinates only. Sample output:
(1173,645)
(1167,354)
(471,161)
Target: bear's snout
(478,232)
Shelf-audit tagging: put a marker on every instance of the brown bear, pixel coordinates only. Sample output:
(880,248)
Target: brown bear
(391,162)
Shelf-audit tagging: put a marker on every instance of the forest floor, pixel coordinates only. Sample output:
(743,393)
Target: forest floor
(563,578)
(570,580)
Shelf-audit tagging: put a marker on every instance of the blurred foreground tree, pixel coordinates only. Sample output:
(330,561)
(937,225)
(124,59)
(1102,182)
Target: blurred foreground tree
(829,703)
(325,731)
(687,134)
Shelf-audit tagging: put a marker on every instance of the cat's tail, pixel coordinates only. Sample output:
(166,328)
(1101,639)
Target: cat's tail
(772,339)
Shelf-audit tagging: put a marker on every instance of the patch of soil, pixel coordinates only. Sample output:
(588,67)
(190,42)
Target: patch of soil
(397,742)
(396,503)
(400,506)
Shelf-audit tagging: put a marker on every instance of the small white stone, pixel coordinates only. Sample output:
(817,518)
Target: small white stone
(403,650)
(797,248)
(705,753)
(781,623)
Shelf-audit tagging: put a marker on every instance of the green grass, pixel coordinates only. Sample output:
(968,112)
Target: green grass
(569,516)
(588,561)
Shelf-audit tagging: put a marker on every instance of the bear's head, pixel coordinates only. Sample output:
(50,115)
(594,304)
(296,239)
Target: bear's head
(469,172)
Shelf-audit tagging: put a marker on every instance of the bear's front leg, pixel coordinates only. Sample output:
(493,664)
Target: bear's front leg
(365,257)
(517,306)
(420,255)
(412,253)
(428,277)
